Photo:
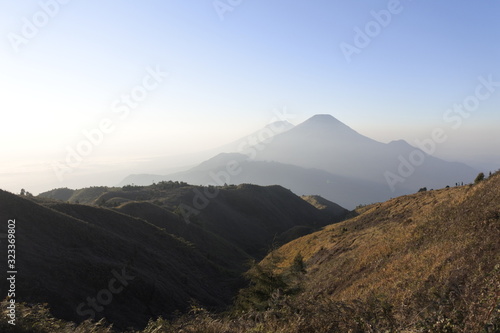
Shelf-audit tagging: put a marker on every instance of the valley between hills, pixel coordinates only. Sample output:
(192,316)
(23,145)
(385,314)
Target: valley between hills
(254,259)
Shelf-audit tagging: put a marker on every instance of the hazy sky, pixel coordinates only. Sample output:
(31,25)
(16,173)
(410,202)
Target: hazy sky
(203,73)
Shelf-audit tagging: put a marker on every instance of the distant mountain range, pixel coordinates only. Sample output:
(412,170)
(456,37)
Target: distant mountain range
(326,157)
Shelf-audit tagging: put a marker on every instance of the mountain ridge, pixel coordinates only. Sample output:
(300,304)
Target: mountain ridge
(325,148)
(425,262)
(176,250)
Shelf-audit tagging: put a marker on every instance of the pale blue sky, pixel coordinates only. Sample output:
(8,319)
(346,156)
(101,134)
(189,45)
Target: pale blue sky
(227,76)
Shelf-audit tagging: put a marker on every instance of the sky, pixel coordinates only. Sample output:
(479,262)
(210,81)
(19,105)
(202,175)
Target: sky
(125,81)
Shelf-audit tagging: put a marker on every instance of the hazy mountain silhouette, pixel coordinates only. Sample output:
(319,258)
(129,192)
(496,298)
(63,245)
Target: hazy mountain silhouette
(323,142)
(326,157)
(346,191)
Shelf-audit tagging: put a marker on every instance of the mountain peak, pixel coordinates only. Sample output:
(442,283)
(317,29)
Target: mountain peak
(325,122)
(323,118)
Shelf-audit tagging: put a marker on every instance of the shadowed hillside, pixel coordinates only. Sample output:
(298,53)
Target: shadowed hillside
(65,256)
(69,252)
(212,246)
(247,217)
(427,262)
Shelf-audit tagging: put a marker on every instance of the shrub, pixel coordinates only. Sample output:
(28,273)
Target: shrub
(479,178)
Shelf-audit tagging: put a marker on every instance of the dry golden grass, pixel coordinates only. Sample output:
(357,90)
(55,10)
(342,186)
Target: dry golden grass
(411,251)
(428,262)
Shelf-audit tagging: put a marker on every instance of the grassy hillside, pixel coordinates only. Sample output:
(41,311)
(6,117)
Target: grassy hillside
(212,246)
(252,216)
(63,194)
(82,196)
(332,209)
(69,252)
(428,262)
(246,217)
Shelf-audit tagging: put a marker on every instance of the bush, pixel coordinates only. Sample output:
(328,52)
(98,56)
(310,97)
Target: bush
(479,178)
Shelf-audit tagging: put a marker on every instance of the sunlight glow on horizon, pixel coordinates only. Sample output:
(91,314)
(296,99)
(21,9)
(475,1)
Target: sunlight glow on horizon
(227,77)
